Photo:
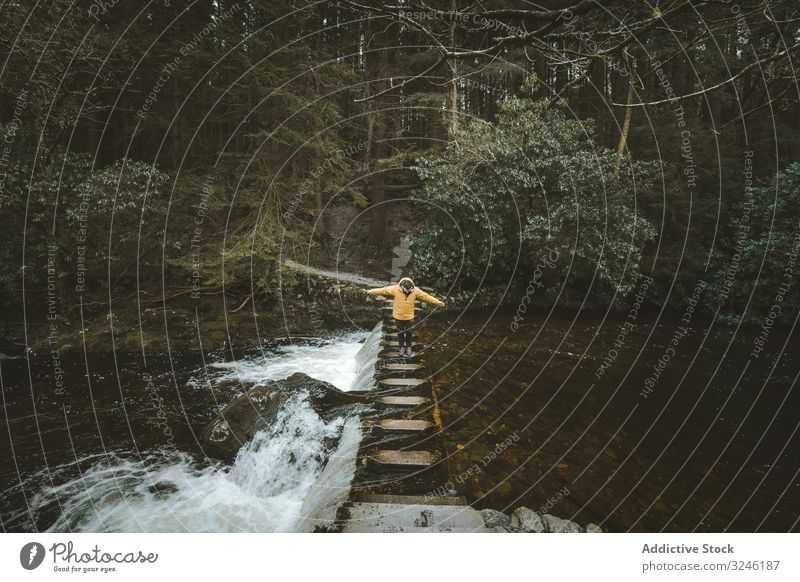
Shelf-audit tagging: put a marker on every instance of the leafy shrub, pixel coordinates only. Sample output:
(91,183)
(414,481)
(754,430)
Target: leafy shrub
(501,196)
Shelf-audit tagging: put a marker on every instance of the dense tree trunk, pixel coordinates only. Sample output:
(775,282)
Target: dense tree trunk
(542,75)
(452,95)
(319,211)
(626,124)
(376,142)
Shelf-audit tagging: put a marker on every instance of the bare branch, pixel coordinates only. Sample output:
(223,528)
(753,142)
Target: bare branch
(757,63)
(758,107)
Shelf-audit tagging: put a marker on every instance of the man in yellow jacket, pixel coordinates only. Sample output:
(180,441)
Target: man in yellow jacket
(405,294)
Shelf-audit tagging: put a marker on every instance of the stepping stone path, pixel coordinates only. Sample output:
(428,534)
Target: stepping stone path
(414,458)
(401,424)
(396,356)
(402,367)
(402,381)
(401,458)
(403,400)
(406,516)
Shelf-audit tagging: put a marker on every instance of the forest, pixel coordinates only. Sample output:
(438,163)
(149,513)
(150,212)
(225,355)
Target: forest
(153,151)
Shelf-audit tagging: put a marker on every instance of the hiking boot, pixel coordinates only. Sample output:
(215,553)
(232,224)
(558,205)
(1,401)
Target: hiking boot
(404,352)
(410,353)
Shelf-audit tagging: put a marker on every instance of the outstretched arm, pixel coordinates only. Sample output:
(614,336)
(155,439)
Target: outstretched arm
(428,298)
(381,291)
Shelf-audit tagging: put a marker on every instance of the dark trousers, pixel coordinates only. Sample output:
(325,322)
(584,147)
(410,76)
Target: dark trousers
(405,332)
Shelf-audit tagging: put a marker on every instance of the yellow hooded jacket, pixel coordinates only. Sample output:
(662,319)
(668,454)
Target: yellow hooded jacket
(403,308)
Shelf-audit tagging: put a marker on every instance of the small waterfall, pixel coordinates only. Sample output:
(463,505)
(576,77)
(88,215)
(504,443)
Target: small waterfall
(283,480)
(332,487)
(335,361)
(365,360)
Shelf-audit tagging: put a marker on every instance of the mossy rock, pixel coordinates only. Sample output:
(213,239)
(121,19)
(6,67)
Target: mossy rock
(258,409)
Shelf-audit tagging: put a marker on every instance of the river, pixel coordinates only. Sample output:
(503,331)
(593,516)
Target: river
(707,443)
(120,453)
(529,419)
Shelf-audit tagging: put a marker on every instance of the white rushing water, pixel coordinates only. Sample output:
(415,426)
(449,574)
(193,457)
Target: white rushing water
(283,480)
(337,361)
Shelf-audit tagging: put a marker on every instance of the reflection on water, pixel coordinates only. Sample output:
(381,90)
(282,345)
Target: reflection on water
(712,446)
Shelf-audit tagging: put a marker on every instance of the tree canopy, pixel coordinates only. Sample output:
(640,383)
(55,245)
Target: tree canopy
(220,137)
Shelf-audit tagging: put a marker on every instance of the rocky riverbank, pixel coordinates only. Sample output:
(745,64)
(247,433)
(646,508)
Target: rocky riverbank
(524,520)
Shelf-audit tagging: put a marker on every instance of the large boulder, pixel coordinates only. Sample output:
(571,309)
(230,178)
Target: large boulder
(494,518)
(555,524)
(258,408)
(527,520)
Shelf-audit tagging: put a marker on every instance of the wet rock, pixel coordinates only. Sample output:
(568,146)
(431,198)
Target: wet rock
(555,524)
(527,520)
(494,518)
(593,528)
(241,419)
(258,408)
(162,488)
(425,519)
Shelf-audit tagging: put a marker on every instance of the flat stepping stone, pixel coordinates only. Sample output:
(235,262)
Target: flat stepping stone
(409,499)
(405,518)
(383,528)
(403,400)
(402,367)
(404,458)
(408,425)
(402,381)
(397,356)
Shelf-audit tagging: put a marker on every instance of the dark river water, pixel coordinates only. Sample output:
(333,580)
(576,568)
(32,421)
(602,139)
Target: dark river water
(707,443)
(544,416)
